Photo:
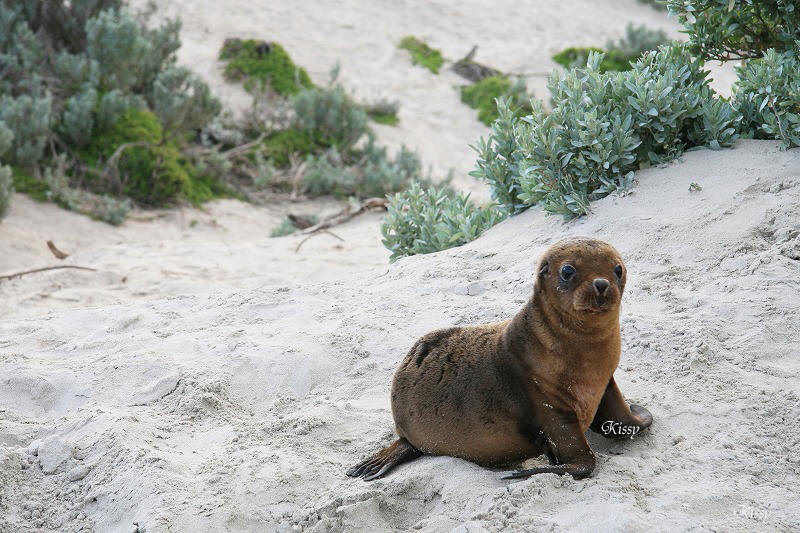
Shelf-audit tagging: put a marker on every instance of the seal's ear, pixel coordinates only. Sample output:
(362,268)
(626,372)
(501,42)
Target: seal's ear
(544,268)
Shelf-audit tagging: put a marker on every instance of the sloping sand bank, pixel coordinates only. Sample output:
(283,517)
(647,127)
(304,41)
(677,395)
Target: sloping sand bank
(225,408)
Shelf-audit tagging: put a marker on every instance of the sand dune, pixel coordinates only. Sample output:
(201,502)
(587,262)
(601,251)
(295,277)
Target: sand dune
(208,378)
(239,409)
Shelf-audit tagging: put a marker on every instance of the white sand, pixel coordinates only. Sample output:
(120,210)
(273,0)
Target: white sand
(220,408)
(228,382)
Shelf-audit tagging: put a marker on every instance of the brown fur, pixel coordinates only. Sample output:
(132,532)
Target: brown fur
(504,392)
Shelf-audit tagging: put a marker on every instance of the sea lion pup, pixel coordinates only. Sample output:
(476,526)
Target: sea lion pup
(501,393)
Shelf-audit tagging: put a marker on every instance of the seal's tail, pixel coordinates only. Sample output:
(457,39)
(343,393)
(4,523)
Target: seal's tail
(401,451)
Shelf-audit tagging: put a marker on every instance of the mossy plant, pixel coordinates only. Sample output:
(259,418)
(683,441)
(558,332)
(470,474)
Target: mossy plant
(259,64)
(25,183)
(386,119)
(151,171)
(482,95)
(281,144)
(383,111)
(619,54)
(422,54)
(576,57)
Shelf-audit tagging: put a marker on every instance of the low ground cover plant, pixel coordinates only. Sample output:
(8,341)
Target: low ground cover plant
(422,54)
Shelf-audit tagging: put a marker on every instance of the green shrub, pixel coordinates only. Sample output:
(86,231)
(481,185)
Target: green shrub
(738,29)
(767,94)
(422,54)
(619,55)
(99,207)
(383,111)
(577,57)
(77,121)
(381,175)
(324,175)
(279,145)
(498,159)
(423,221)
(387,120)
(482,95)
(71,72)
(373,174)
(6,190)
(638,40)
(29,119)
(665,93)
(181,101)
(603,126)
(330,117)
(25,183)
(261,64)
(6,182)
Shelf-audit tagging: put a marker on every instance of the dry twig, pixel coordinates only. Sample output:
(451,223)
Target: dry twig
(56,252)
(24,272)
(244,147)
(370,204)
(314,235)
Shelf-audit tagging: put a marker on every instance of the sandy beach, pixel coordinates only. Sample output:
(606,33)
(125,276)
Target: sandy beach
(206,377)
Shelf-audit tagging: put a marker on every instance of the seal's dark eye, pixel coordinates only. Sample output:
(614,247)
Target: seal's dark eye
(618,271)
(567,272)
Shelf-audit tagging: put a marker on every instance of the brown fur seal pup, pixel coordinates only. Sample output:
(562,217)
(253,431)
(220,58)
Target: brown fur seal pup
(505,392)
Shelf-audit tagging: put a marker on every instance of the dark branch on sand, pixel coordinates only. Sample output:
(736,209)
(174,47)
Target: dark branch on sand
(24,272)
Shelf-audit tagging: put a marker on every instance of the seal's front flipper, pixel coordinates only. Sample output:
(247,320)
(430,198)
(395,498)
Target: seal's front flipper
(576,470)
(401,451)
(568,449)
(615,419)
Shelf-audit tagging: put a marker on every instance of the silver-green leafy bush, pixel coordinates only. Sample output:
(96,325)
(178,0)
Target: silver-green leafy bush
(498,159)
(738,29)
(602,127)
(767,94)
(372,173)
(182,101)
(421,221)
(77,121)
(100,207)
(325,175)
(331,116)
(71,70)
(29,119)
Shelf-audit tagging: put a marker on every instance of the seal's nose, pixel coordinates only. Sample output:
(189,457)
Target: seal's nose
(600,285)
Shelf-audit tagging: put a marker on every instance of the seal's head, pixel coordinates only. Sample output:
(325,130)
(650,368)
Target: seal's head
(582,276)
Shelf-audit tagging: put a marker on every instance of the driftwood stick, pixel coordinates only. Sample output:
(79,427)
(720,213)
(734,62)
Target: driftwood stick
(346,214)
(332,234)
(236,150)
(24,272)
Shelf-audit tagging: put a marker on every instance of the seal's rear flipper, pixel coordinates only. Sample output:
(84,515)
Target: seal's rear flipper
(401,451)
